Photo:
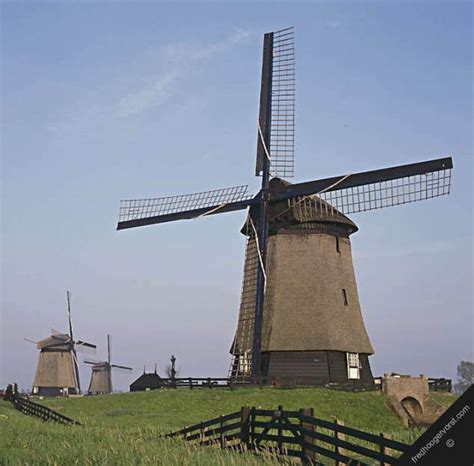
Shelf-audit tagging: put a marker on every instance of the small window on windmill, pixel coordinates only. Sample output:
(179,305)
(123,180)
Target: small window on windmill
(338,249)
(344,297)
(353,366)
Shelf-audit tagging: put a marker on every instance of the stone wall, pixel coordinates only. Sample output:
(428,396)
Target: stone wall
(406,386)
(409,398)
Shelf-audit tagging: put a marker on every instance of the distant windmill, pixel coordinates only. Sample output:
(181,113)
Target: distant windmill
(101,378)
(299,315)
(57,372)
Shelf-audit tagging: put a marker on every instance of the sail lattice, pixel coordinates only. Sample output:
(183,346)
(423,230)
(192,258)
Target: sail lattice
(379,195)
(132,209)
(282,132)
(241,363)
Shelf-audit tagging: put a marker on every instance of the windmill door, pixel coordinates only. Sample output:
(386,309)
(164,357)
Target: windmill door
(353,366)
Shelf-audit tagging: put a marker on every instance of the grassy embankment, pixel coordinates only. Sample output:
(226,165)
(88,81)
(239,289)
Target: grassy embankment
(124,429)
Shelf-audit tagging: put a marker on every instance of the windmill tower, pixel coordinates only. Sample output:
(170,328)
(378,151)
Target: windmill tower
(299,315)
(101,378)
(57,372)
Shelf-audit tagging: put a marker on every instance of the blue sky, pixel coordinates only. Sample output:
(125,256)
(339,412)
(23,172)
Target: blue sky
(103,101)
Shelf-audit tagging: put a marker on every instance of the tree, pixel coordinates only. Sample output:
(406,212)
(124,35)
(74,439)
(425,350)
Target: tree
(465,376)
(171,371)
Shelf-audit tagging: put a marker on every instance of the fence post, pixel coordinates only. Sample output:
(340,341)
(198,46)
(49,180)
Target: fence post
(201,432)
(339,436)
(209,382)
(385,450)
(221,436)
(252,428)
(280,430)
(244,426)
(308,454)
(190,381)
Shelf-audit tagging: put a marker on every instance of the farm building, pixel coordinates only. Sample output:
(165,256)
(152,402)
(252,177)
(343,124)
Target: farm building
(150,381)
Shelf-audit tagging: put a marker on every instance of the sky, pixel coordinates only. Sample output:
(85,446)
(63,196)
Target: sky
(102,101)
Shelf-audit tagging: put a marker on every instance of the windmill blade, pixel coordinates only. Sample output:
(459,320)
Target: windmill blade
(376,189)
(141,212)
(31,341)
(276,118)
(85,344)
(71,338)
(94,363)
(125,368)
(68,295)
(84,347)
(76,371)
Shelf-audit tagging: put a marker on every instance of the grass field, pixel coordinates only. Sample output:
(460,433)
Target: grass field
(124,429)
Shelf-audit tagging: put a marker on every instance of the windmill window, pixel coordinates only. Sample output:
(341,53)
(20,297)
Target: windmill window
(353,366)
(338,249)
(344,297)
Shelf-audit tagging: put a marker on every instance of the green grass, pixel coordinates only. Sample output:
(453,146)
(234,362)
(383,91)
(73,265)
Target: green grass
(124,429)
(444,399)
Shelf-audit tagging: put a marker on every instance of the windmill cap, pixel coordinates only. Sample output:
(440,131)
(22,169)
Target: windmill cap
(307,212)
(56,341)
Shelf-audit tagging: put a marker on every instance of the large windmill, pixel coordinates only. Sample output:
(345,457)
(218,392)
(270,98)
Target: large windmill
(299,313)
(57,372)
(101,378)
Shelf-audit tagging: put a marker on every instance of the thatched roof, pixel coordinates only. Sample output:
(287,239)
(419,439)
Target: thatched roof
(307,212)
(310,275)
(101,378)
(304,306)
(55,369)
(60,341)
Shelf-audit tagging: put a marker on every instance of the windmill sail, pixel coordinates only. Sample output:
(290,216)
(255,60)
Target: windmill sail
(124,368)
(374,189)
(71,336)
(276,118)
(141,212)
(241,363)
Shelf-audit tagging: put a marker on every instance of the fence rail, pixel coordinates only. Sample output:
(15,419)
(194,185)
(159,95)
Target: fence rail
(231,382)
(30,408)
(294,433)
(196,382)
(281,382)
(440,385)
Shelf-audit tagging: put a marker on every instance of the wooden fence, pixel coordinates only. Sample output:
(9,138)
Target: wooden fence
(260,382)
(440,385)
(30,408)
(280,382)
(196,382)
(294,433)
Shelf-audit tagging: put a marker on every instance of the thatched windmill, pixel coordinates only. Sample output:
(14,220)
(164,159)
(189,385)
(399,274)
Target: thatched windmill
(57,372)
(101,378)
(299,315)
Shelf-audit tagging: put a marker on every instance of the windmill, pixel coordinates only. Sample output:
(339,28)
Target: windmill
(57,372)
(299,313)
(101,378)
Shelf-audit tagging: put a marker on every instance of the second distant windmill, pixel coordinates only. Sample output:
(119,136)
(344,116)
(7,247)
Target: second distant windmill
(101,378)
